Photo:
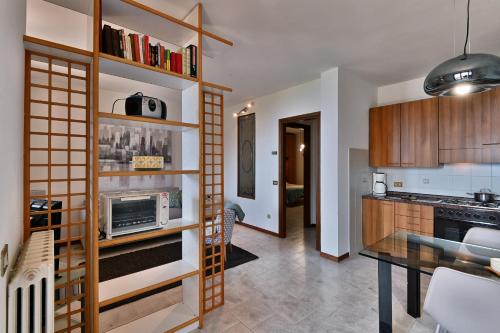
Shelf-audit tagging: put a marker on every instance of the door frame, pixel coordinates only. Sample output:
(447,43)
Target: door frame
(295,122)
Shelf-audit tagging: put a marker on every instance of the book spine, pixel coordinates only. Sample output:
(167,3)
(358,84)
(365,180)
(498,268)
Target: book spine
(137,43)
(147,54)
(129,48)
(123,45)
(141,50)
(162,57)
(194,60)
(167,55)
(188,61)
(184,61)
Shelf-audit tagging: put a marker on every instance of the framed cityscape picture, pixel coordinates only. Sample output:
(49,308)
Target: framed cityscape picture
(246,156)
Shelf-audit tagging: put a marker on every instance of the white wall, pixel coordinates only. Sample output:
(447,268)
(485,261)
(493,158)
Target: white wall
(12,25)
(329,162)
(356,96)
(301,99)
(401,92)
(343,100)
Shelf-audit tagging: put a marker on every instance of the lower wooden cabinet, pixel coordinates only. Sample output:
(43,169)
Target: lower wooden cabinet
(378,220)
(383,217)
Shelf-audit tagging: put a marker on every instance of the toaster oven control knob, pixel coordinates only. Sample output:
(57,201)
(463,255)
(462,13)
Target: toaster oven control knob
(467,215)
(476,216)
(459,213)
(492,218)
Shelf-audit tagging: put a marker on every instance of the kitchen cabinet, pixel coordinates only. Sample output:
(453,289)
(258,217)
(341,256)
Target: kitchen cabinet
(385,135)
(414,218)
(378,220)
(464,128)
(419,133)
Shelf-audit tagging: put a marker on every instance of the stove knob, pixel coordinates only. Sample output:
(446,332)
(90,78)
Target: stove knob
(459,214)
(476,216)
(450,212)
(467,215)
(492,218)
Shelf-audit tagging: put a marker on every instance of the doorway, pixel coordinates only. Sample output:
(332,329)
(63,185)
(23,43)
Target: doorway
(299,176)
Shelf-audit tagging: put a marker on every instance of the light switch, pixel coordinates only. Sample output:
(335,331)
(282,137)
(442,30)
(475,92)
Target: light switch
(275,182)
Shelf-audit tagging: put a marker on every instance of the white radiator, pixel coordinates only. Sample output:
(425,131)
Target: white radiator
(31,287)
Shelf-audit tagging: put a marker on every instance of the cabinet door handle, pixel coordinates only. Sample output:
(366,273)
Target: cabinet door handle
(491,144)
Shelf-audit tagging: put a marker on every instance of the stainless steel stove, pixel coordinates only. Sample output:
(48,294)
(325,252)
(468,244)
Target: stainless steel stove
(453,222)
(471,203)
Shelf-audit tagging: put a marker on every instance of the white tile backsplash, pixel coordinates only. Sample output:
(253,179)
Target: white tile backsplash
(450,179)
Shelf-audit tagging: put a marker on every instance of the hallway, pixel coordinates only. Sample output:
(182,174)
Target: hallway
(290,288)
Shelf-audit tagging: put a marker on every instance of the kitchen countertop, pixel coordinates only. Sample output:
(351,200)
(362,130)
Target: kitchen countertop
(422,199)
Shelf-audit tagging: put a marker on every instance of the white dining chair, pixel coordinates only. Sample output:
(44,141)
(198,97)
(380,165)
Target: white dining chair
(463,303)
(483,237)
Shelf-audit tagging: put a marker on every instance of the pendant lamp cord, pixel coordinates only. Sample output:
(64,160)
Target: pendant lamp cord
(467,35)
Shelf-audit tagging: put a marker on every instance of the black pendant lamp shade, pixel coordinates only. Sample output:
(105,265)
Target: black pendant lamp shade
(467,73)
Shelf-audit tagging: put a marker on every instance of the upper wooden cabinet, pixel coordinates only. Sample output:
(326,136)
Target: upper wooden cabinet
(385,136)
(468,128)
(419,133)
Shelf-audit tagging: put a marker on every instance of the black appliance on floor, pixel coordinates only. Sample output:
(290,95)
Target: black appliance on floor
(42,220)
(453,223)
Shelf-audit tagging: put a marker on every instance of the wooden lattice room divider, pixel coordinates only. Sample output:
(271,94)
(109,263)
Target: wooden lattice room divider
(213,194)
(56,176)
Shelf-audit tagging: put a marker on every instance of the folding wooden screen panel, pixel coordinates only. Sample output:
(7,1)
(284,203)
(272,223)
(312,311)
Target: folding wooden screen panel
(213,194)
(56,176)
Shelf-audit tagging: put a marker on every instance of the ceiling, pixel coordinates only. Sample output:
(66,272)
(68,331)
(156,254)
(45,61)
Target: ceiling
(281,43)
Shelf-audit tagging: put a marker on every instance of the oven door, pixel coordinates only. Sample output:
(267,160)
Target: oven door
(455,230)
(132,214)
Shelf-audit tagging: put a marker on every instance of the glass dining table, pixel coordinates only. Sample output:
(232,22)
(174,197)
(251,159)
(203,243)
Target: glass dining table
(421,255)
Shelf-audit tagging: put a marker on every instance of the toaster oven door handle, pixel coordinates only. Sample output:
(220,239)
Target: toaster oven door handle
(142,197)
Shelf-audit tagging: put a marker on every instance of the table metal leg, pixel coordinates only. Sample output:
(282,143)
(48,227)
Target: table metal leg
(384,297)
(413,293)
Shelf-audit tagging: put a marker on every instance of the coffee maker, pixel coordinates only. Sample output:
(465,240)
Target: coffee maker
(379,184)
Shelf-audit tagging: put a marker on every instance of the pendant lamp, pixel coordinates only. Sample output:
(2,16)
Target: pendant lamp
(467,73)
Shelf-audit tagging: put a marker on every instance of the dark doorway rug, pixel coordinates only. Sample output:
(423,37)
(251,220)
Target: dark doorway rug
(128,263)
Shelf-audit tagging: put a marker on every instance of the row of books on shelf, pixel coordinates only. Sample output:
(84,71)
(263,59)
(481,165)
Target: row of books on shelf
(139,49)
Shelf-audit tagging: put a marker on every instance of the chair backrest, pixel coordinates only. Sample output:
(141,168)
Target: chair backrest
(483,237)
(463,303)
(229,221)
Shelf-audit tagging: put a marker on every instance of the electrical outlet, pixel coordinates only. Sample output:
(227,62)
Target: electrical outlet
(398,184)
(426,181)
(4,260)
(268,216)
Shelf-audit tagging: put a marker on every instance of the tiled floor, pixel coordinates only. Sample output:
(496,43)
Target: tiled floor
(290,288)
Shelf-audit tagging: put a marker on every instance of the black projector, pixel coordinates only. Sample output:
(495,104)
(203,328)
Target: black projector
(144,106)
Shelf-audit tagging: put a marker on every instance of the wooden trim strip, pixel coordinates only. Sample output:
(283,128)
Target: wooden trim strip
(147,120)
(67,48)
(43,86)
(143,236)
(146,289)
(146,173)
(60,119)
(272,233)
(41,70)
(183,325)
(144,66)
(59,134)
(57,180)
(216,37)
(334,258)
(38,101)
(216,86)
(160,14)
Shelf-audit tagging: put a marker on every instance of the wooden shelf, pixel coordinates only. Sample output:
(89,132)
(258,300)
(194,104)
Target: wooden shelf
(213,87)
(173,226)
(119,118)
(123,287)
(140,72)
(171,319)
(57,50)
(126,173)
(136,16)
